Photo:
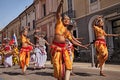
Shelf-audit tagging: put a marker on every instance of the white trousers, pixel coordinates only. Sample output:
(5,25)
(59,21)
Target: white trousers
(43,60)
(8,61)
(40,57)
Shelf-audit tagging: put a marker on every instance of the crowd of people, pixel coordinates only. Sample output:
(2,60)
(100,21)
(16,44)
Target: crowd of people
(9,54)
(62,48)
(36,53)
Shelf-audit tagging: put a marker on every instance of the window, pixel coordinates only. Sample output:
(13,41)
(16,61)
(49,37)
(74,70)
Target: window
(44,9)
(116,30)
(69,4)
(22,28)
(70,12)
(33,24)
(94,5)
(29,26)
(33,10)
(116,23)
(92,1)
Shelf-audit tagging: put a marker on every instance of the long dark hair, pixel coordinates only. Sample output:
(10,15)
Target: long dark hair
(70,27)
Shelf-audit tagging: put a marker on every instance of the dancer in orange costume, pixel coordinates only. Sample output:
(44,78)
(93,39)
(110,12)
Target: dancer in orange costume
(15,54)
(25,50)
(100,43)
(70,46)
(61,59)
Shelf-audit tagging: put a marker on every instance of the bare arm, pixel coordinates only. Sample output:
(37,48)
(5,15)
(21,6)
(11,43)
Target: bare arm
(76,39)
(30,43)
(80,38)
(47,42)
(110,35)
(59,10)
(36,36)
(77,44)
(73,40)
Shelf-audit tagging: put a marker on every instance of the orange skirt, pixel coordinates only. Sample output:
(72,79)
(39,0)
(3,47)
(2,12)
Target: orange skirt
(102,51)
(61,59)
(24,57)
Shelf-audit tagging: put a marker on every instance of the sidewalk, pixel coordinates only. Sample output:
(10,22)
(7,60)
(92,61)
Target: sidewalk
(108,67)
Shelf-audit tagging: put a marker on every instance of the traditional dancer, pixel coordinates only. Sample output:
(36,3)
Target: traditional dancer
(1,54)
(25,50)
(2,51)
(42,47)
(61,59)
(70,49)
(15,55)
(7,54)
(70,46)
(35,58)
(40,50)
(100,43)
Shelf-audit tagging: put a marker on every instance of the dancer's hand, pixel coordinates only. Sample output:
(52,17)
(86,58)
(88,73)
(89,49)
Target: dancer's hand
(118,34)
(84,46)
(87,45)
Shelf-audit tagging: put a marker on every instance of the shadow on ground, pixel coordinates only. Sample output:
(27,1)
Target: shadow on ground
(12,73)
(44,73)
(85,74)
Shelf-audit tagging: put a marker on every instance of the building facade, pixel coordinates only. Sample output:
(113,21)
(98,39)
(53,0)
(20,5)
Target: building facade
(110,10)
(10,29)
(28,18)
(0,36)
(45,17)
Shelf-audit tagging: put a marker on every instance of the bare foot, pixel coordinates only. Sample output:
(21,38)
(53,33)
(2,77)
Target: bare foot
(102,74)
(72,74)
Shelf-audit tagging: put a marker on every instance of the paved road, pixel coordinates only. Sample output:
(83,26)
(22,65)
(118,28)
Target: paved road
(83,72)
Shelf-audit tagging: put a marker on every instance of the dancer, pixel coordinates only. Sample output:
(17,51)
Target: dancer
(100,43)
(41,54)
(1,54)
(25,50)
(42,47)
(15,55)
(7,54)
(70,46)
(61,59)
(35,58)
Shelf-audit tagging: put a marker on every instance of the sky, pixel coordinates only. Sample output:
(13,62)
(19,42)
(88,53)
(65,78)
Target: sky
(10,9)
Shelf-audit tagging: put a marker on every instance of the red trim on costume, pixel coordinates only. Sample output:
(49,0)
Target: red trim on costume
(100,41)
(62,45)
(26,49)
(7,48)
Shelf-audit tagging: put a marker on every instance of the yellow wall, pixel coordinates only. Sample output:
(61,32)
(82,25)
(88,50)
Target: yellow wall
(107,3)
(81,7)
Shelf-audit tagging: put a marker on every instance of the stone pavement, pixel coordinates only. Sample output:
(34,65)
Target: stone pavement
(108,67)
(83,71)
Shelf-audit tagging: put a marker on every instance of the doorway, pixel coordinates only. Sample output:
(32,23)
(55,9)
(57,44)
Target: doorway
(116,30)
